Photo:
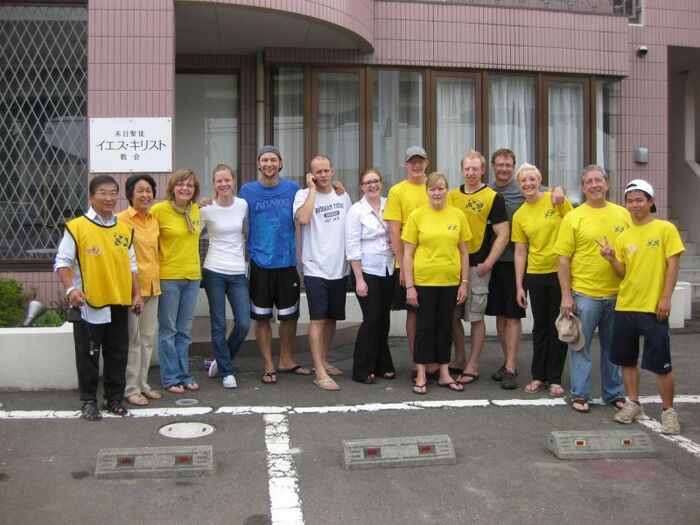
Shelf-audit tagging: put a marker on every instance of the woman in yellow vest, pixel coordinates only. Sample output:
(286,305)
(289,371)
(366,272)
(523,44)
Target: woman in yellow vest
(178,220)
(536,223)
(436,266)
(143,327)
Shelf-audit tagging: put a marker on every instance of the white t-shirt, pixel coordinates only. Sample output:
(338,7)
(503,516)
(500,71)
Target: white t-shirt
(323,239)
(226,252)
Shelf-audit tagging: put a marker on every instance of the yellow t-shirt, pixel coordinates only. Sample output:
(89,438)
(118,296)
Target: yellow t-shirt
(644,251)
(403,198)
(436,234)
(476,208)
(179,248)
(537,224)
(591,274)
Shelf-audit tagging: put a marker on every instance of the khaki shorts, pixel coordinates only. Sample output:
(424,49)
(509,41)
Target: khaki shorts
(474,307)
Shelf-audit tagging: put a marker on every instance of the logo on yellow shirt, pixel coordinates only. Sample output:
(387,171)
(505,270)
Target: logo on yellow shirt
(451,227)
(653,243)
(619,228)
(121,241)
(475,205)
(94,250)
(549,214)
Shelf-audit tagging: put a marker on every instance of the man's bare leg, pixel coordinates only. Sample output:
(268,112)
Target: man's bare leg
(666,388)
(316,343)
(328,334)
(514,332)
(460,358)
(478,335)
(630,375)
(288,334)
(263,335)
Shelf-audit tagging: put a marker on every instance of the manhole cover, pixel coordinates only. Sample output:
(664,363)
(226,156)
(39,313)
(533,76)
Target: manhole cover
(187,402)
(187,430)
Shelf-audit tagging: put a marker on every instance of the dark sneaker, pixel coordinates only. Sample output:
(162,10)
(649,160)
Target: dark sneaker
(90,412)
(498,375)
(510,381)
(115,407)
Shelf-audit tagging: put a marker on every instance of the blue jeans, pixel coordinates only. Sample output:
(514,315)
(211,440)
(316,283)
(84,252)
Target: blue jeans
(175,314)
(600,313)
(219,287)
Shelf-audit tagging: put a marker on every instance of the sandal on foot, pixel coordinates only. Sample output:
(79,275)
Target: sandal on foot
(326,383)
(176,389)
(472,378)
(90,412)
(534,386)
(137,399)
(192,386)
(152,394)
(269,378)
(333,371)
(452,385)
(583,402)
(389,375)
(421,390)
(618,403)
(556,390)
(297,369)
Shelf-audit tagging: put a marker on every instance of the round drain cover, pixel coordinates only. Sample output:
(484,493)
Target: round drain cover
(186,430)
(186,402)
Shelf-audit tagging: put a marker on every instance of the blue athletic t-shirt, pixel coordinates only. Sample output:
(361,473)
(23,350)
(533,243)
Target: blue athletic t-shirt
(271,240)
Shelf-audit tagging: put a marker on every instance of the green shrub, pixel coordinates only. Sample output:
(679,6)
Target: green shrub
(50,318)
(12,301)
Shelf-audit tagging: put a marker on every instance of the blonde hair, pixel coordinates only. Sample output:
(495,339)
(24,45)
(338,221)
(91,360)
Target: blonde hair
(473,154)
(223,167)
(434,177)
(527,167)
(179,176)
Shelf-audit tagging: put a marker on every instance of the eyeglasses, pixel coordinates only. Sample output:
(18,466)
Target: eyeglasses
(373,182)
(504,165)
(184,185)
(106,194)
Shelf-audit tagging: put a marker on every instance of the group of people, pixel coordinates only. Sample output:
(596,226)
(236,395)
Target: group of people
(443,256)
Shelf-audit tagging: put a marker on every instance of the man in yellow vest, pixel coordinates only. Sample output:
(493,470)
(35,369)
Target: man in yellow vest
(97,267)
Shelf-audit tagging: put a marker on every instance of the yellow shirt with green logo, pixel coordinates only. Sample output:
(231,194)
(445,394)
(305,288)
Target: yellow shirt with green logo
(591,274)
(436,234)
(179,248)
(104,261)
(537,224)
(644,250)
(476,207)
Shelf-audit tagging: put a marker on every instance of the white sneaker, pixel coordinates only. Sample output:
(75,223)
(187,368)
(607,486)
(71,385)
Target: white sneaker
(669,422)
(630,412)
(229,382)
(213,369)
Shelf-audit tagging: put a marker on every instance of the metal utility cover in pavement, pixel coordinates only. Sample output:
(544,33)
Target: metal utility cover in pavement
(399,452)
(601,444)
(155,462)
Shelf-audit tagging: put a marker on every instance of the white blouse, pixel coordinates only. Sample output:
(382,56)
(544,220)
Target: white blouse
(367,238)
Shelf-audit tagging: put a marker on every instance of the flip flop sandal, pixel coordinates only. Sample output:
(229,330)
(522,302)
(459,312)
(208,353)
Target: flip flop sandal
(580,401)
(326,384)
(420,390)
(452,385)
(176,389)
(389,375)
(534,386)
(617,403)
(473,378)
(556,390)
(269,378)
(298,370)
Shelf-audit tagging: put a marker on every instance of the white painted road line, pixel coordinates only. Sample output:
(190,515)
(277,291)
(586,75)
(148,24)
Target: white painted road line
(684,443)
(291,410)
(285,504)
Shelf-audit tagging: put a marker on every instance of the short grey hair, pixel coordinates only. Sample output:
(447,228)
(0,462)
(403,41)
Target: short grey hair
(593,167)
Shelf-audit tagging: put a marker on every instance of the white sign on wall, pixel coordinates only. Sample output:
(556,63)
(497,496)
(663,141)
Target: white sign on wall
(123,145)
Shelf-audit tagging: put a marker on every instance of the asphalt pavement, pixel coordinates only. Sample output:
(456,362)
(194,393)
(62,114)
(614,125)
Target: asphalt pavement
(278,454)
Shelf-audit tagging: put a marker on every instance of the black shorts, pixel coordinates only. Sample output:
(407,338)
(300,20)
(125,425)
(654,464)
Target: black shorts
(502,294)
(278,287)
(326,297)
(657,342)
(398,301)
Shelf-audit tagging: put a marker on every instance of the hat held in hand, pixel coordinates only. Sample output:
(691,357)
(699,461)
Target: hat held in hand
(570,331)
